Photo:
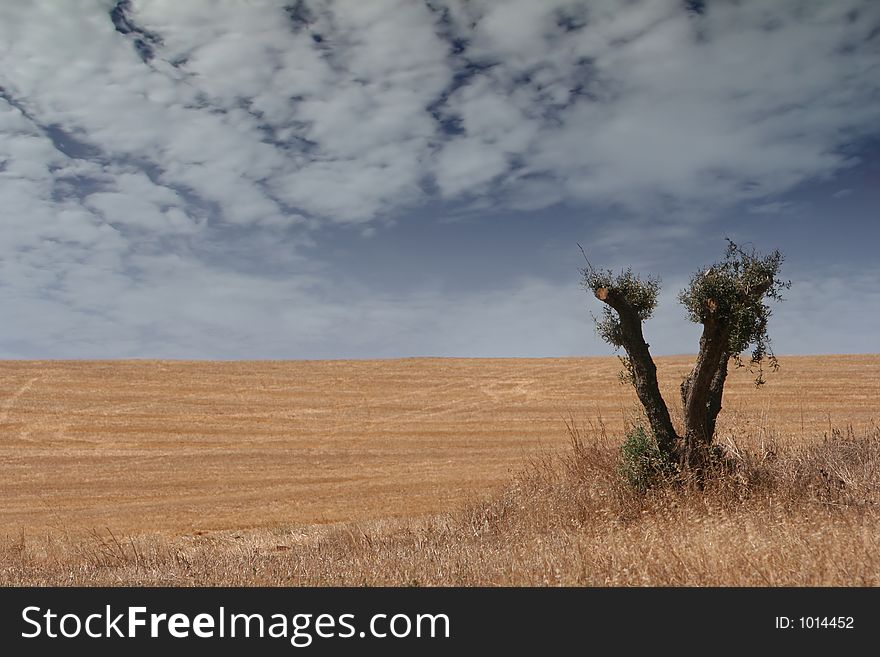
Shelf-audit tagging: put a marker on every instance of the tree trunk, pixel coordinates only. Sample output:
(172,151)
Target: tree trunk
(716,389)
(644,371)
(702,389)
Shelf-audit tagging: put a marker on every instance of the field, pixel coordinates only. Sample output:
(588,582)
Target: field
(428,471)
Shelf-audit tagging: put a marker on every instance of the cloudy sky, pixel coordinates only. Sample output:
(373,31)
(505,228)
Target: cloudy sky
(351,178)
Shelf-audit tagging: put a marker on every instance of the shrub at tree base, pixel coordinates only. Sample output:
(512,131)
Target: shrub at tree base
(642,464)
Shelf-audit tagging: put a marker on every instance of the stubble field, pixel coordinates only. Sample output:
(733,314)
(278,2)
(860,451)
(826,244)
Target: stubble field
(427,471)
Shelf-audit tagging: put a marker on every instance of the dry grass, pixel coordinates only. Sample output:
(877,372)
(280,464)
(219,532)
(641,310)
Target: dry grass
(799,507)
(796,516)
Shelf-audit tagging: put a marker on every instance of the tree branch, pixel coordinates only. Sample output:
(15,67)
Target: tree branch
(644,370)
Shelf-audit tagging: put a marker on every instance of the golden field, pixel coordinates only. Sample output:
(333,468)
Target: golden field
(427,471)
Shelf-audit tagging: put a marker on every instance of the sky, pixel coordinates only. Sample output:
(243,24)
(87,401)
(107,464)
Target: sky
(278,179)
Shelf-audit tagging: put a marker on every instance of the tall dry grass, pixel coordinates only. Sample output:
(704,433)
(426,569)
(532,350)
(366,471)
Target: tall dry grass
(780,514)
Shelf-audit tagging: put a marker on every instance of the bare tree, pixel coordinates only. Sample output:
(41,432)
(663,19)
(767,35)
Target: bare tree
(728,300)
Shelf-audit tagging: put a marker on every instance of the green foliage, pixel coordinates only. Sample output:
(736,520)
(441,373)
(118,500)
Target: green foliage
(732,291)
(642,464)
(640,294)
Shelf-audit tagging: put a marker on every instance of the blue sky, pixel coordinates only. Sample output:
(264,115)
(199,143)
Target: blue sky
(293,179)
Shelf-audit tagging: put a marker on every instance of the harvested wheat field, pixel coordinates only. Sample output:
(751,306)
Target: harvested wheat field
(430,471)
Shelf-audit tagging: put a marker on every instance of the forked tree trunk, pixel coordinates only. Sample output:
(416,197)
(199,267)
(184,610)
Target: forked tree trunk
(644,371)
(702,389)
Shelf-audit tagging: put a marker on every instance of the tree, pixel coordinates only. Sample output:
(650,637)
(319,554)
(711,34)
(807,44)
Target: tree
(728,300)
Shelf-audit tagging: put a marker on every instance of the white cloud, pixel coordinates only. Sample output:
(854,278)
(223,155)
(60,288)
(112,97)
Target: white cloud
(772,207)
(132,175)
(467,165)
(742,101)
